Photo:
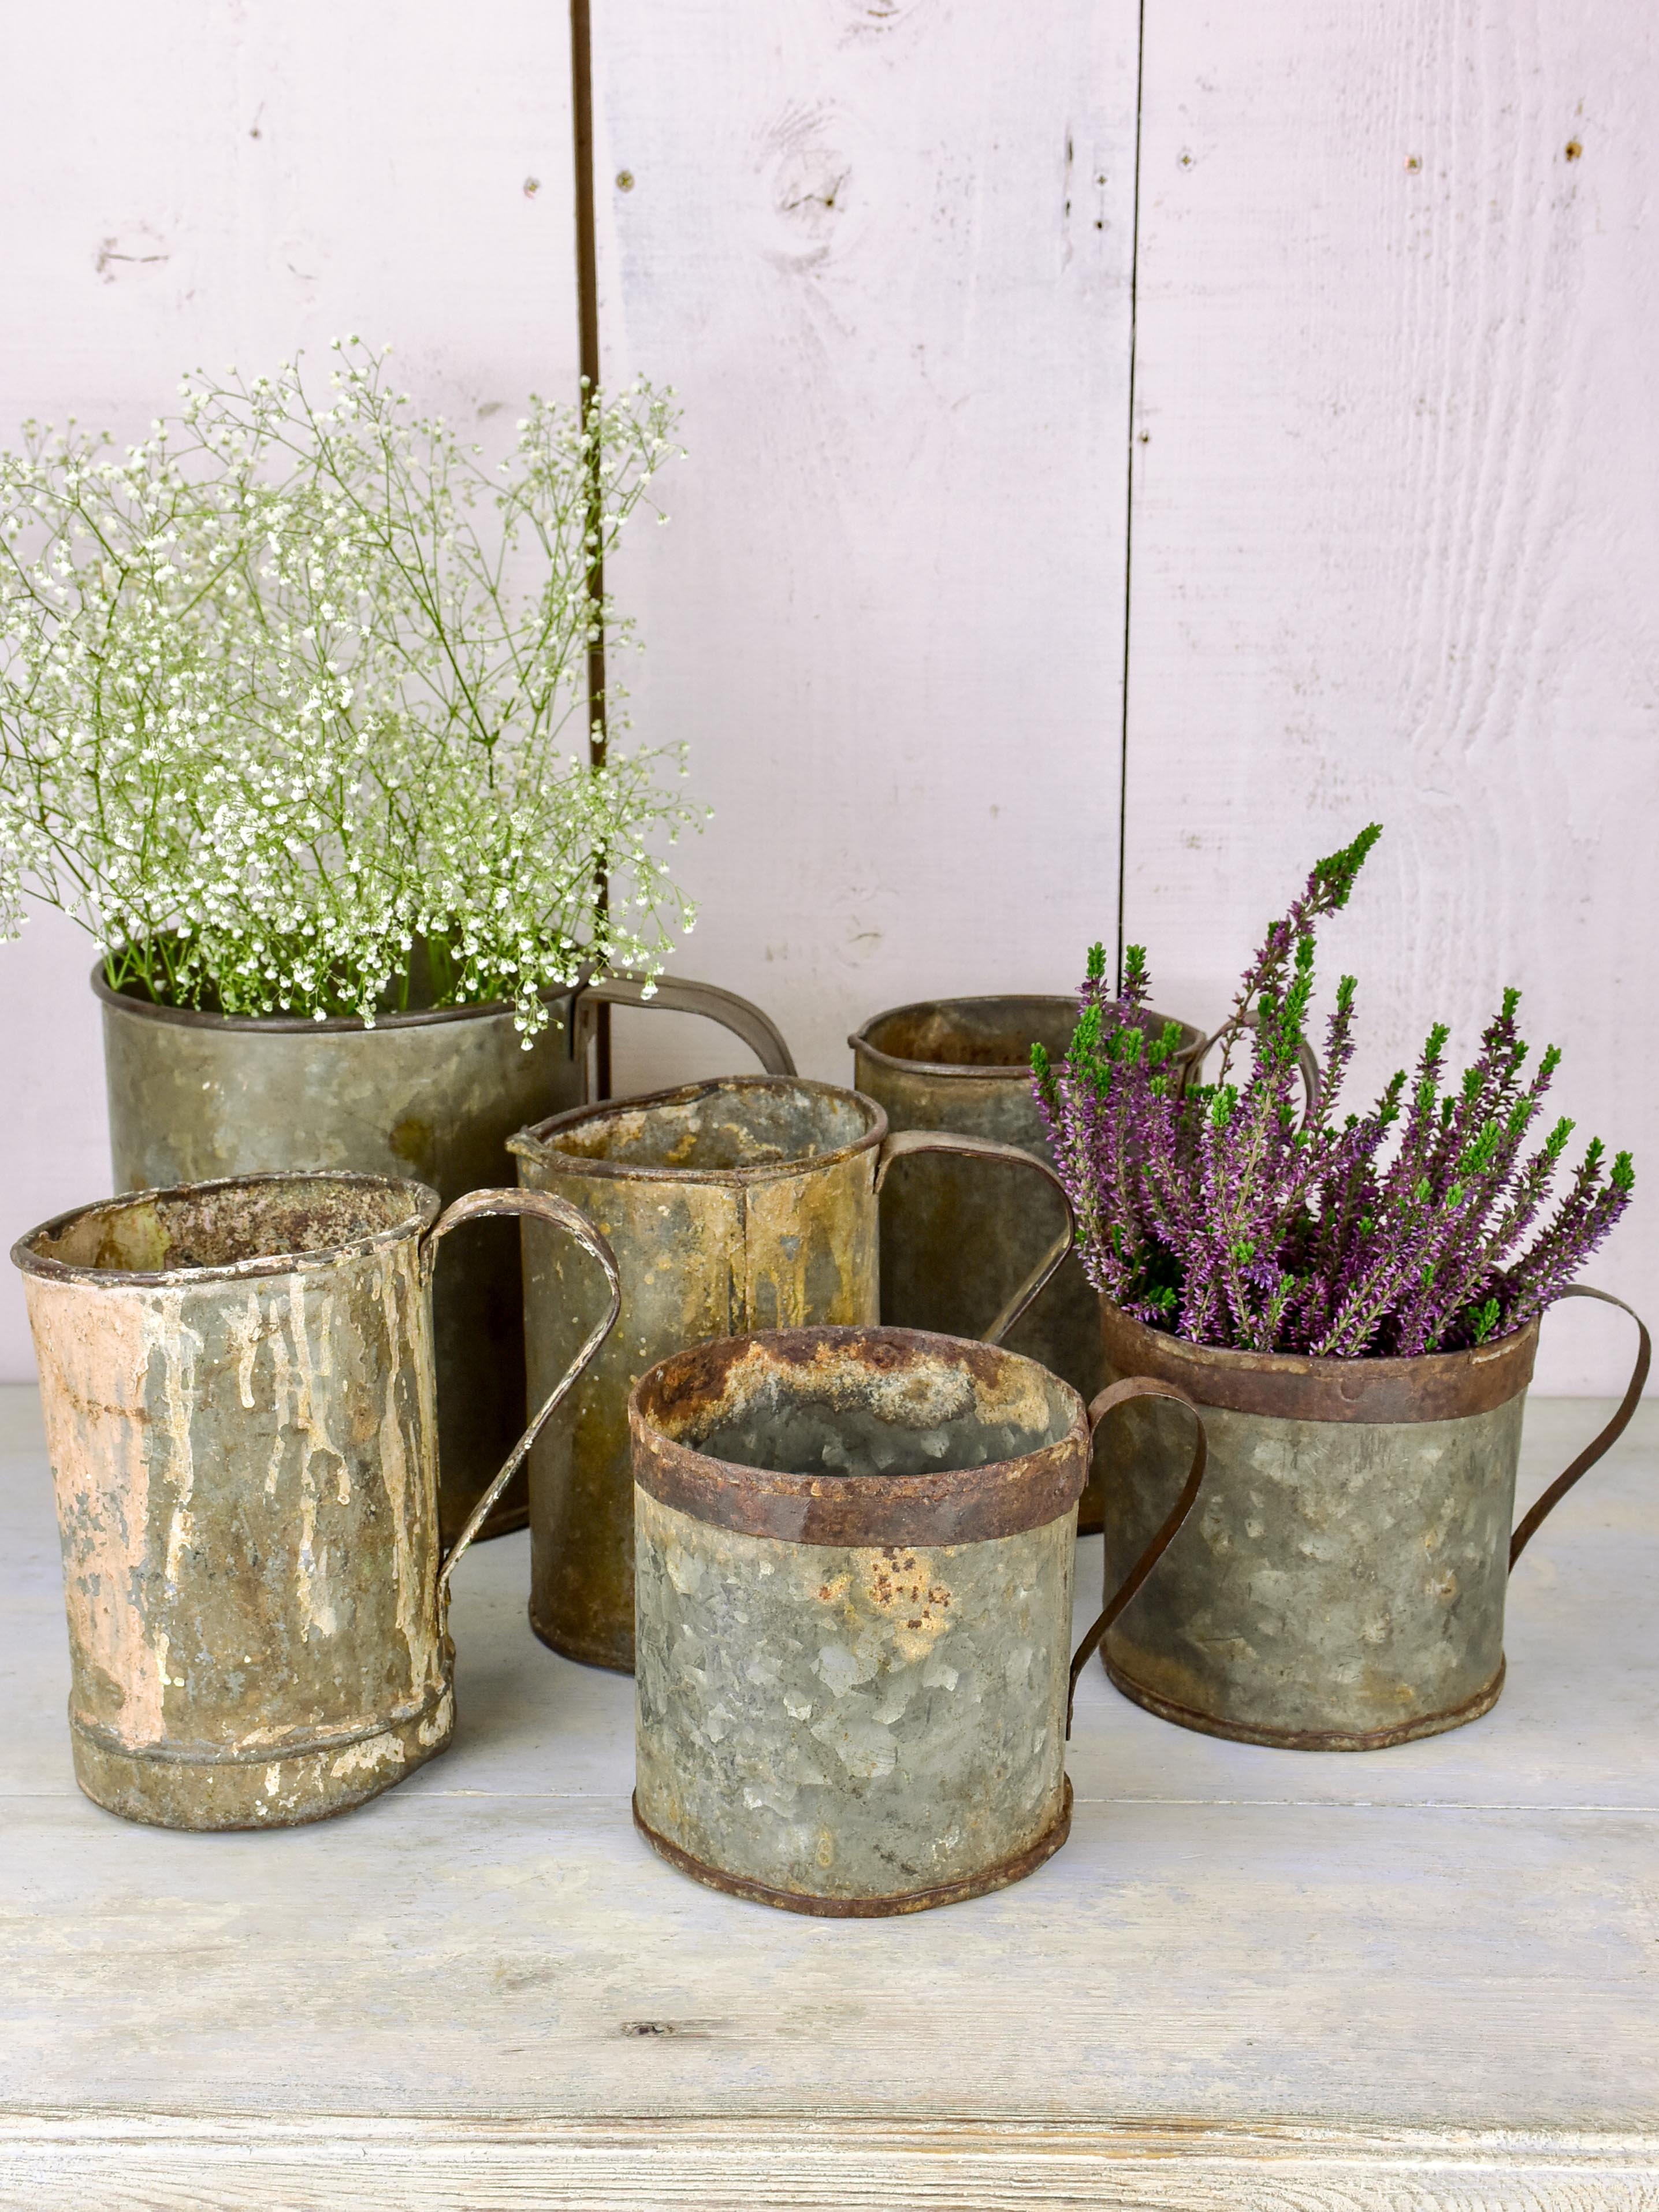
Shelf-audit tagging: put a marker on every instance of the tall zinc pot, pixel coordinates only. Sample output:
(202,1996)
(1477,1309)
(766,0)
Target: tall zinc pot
(238,1382)
(855,1554)
(965,1064)
(1342,1587)
(732,1206)
(434,1094)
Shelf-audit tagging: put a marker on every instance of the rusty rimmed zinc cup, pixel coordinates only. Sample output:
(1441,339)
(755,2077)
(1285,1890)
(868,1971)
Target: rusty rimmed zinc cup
(1342,1588)
(854,1559)
(238,1381)
(746,1203)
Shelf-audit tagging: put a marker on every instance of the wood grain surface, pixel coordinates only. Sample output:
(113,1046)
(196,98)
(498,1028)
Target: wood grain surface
(881,248)
(1421,1976)
(1396,518)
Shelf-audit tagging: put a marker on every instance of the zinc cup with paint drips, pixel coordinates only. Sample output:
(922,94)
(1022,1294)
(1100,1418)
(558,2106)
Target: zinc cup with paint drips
(238,1384)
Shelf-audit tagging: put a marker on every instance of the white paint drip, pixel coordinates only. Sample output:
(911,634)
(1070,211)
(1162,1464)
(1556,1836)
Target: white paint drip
(311,1408)
(408,1496)
(165,1333)
(244,1332)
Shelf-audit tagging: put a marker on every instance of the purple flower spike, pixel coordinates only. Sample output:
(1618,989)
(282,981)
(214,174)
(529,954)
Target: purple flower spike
(1225,1214)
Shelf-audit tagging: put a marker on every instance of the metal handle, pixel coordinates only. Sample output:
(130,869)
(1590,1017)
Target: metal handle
(473,1205)
(1313,1080)
(1119,1393)
(678,994)
(1609,1436)
(903,1142)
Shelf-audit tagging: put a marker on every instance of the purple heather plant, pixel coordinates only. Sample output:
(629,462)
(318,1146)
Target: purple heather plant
(1220,1213)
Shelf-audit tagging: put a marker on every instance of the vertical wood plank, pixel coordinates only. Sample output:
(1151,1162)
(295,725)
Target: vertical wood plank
(1397,535)
(882,249)
(183,184)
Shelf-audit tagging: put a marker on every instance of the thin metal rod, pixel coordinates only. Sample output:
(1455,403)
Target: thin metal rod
(587,322)
(1129,507)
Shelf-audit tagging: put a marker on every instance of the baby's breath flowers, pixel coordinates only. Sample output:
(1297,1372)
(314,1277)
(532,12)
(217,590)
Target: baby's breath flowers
(292,703)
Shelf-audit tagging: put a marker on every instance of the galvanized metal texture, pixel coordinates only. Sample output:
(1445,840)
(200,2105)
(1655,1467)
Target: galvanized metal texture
(732,1205)
(965,1064)
(859,1727)
(1342,1586)
(434,1094)
(866,1908)
(238,1386)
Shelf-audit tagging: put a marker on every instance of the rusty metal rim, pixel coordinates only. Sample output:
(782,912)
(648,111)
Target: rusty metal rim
(957,1070)
(532,1143)
(1189,1716)
(954,1505)
(997,1071)
(305,1746)
(1435,1386)
(999,1877)
(306,1024)
(425,1208)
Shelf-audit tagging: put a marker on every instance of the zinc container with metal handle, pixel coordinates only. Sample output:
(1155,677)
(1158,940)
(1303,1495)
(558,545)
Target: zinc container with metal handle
(434,1093)
(1343,1588)
(855,1557)
(238,1382)
(732,1206)
(965,1064)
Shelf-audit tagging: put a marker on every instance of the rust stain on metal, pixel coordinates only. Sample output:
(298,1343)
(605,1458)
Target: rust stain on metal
(1025,1466)
(1439,1386)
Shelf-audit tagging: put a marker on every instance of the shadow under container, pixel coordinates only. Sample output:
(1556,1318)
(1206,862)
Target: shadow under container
(1342,1586)
(855,1554)
(238,1384)
(745,1203)
(965,1064)
(433,1094)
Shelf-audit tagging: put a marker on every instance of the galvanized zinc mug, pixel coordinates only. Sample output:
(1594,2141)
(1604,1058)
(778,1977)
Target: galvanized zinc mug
(855,1555)
(238,1384)
(1343,1588)
(748,1203)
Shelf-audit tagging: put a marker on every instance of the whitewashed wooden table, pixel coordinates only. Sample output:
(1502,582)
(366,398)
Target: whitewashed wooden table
(1426,1977)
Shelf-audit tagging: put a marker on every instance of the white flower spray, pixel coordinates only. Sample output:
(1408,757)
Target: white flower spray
(288,695)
